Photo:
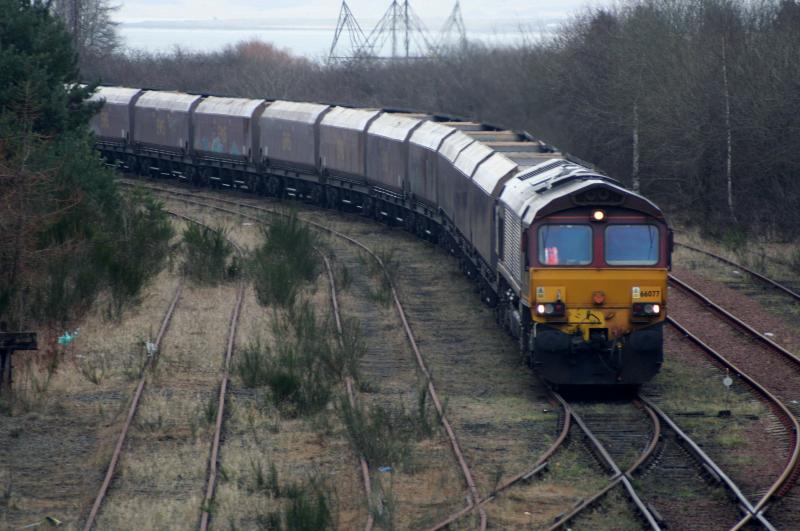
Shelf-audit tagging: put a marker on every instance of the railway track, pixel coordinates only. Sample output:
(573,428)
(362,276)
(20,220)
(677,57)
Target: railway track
(623,436)
(350,386)
(764,364)
(541,462)
(137,395)
(786,290)
(152,354)
(213,460)
(614,435)
(473,494)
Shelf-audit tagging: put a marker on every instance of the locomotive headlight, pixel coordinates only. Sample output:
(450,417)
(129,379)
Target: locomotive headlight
(646,310)
(551,309)
(598,215)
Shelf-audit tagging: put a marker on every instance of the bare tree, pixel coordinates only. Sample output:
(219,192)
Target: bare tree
(91,24)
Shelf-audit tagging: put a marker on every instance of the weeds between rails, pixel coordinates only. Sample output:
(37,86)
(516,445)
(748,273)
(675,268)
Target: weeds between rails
(131,413)
(299,369)
(474,496)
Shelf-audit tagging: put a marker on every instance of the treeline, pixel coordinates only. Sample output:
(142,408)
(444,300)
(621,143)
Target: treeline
(693,102)
(67,236)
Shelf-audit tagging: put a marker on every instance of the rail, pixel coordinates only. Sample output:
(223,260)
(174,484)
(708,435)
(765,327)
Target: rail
(746,269)
(112,466)
(619,476)
(775,404)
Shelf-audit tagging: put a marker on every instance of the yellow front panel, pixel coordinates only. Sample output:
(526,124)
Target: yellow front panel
(578,287)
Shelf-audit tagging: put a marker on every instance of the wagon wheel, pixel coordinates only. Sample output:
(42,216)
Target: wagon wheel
(332,197)
(367,206)
(410,220)
(190,172)
(274,186)
(133,164)
(316,195)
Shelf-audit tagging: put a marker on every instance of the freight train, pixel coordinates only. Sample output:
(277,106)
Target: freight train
(574,264)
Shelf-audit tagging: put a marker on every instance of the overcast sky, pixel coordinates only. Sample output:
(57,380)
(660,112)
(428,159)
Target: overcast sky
(135,10)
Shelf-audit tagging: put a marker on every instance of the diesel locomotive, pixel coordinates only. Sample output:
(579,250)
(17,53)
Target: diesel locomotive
(574,264)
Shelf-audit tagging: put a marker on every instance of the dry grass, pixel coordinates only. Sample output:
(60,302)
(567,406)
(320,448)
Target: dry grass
(57,443)
(778,260)
(300,448)
(691,391)
(162,474)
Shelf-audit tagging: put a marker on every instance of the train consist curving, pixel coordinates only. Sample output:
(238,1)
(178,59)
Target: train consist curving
(574,264)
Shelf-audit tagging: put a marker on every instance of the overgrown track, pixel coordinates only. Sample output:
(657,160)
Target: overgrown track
(748,371)
(214,454)
(537,467)
(112,465)
(474,496)
(775,284)
(213,460)
(351,396)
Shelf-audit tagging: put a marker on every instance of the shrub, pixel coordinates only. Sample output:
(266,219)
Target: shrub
(300,369)
(284,261)
(307,506)
(206,253)
(382,435)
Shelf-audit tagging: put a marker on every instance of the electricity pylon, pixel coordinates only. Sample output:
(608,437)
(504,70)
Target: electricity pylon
(347,23)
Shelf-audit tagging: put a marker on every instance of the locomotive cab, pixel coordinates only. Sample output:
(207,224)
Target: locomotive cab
(591,274)
(597,295)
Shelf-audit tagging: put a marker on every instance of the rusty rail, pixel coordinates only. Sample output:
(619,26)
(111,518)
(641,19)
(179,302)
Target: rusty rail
(746,269)
(783,413)
(223,389)
(735,320)
(619,476)
(791,471)
(743,503)
(351,397)
(112,466)
(538,466)
(474,497)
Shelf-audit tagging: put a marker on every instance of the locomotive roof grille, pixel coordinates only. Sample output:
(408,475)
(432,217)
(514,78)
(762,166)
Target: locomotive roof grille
(541,169)
(565,177)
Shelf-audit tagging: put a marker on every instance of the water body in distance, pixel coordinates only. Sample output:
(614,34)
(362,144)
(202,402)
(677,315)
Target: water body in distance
(309,40)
